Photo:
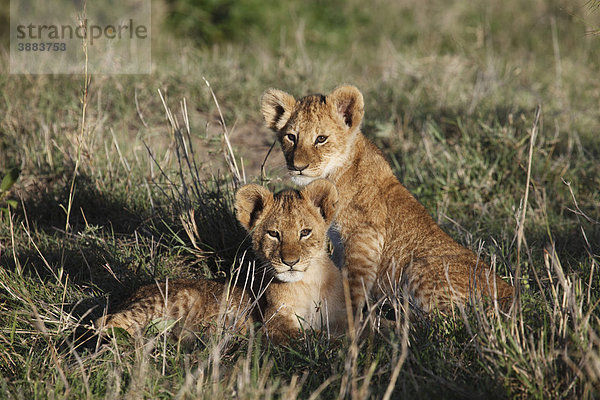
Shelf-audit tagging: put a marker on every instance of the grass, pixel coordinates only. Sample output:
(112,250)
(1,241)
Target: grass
(451,95)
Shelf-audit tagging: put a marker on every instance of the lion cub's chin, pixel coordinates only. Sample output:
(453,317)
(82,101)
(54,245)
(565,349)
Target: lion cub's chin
(289,276)
(303,180)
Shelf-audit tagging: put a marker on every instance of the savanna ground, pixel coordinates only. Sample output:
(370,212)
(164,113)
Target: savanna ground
(106,199)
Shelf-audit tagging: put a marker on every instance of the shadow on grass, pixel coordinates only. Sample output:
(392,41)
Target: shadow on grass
(117,241)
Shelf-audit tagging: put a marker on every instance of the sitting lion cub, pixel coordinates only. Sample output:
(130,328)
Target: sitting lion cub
(390,239)
(289,237)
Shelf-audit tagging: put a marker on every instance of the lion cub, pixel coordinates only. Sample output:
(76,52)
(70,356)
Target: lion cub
(289,237)
(390,239)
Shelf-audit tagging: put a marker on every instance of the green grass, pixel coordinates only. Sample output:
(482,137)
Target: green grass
(451,93)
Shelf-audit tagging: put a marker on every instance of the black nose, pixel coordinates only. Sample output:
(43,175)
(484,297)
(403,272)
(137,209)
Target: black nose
(299,169)
(290,263)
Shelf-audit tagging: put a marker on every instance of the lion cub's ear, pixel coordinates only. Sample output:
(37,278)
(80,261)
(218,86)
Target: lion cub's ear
(277,107)
(250,202)
(324,195)
(349,105)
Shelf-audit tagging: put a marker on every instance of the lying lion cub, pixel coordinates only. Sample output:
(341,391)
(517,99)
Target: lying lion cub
(289,236)
(390,239)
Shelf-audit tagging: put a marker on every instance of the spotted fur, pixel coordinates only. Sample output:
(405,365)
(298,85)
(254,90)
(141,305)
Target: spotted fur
(289,232)
(390,238)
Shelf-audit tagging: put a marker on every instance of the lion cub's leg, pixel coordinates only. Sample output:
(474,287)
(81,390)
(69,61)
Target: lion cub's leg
(281,324)
(362,257)
(443,282)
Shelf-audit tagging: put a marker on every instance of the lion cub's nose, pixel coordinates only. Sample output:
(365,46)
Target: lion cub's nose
(299,169)
(290,263)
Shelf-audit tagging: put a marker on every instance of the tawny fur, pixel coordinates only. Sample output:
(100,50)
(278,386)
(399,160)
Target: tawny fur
(289,232)
(390,239)
(192,305)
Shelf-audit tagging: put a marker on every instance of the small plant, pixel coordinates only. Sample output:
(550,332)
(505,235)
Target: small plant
(8,181)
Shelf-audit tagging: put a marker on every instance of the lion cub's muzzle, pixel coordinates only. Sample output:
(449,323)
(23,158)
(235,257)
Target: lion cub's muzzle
(289,270)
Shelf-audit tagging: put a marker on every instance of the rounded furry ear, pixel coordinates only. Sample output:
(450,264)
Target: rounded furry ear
(349,105)
(324,195)
(250,202)
(276,107)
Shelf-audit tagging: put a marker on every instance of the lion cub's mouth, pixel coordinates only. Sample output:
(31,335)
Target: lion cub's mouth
(301,173)
(309,172)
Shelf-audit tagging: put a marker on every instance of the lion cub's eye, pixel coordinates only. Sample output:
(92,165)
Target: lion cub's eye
(273,234)
(305,233)
(291,137)
(320,139)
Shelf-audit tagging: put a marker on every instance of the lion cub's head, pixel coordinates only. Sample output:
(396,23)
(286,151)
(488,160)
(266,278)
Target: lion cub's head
(289,228)
(316,132)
